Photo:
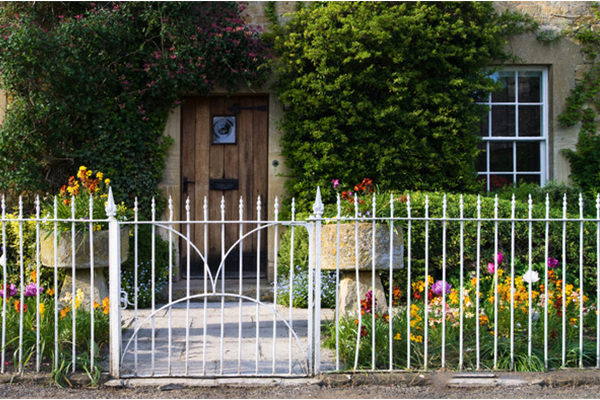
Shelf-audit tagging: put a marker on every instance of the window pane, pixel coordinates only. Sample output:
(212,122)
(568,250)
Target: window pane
(528,157)
(503,121)
(530,86)
(497,181)
(501,157)
(480,162)
(507,94)
(530,121)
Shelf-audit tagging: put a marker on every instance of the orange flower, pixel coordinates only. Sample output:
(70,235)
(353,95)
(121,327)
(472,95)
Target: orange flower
(50,292)
(105,305)
(18,306)
(96,304)
(64,312)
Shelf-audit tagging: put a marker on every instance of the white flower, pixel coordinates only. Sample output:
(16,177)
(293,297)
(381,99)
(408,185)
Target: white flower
(3,260)
(531,276)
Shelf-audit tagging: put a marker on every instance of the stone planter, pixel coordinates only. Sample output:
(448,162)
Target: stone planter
(82,260)
(348,297)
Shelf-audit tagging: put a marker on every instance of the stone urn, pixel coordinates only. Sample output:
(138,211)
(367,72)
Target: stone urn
(82,260)
(348,265)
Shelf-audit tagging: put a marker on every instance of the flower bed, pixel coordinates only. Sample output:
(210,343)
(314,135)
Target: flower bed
(509,313)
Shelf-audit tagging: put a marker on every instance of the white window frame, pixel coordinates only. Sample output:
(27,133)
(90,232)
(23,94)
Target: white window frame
(542,139)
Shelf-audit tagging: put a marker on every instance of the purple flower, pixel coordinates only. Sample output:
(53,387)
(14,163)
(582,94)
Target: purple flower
(439,287)
(552,262)
(11,290)
(32,290)
(336,183)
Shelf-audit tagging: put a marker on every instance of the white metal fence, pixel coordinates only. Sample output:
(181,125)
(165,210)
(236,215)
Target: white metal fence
(420,282)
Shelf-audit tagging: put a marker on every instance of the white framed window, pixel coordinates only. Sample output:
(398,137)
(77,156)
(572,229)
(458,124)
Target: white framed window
(514,134)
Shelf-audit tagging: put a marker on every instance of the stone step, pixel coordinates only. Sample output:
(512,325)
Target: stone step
(232,286)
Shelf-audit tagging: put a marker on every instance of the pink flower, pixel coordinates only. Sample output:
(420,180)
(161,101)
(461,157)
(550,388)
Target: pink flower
(32,290)
(336,183)
(440,286)
(499,258)
(491,268)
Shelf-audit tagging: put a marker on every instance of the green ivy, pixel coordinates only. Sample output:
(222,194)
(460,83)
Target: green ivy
(582,108)
(95,87)
(386,91)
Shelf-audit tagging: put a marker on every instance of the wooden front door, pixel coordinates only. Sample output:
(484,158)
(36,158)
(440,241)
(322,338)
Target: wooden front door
(224,155)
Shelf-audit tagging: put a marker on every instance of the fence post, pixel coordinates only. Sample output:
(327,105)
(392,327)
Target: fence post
(114,276)
(318,210)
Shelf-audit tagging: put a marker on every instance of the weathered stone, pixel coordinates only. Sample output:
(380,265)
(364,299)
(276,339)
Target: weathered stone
(349,291)
(347,249)
(82,249)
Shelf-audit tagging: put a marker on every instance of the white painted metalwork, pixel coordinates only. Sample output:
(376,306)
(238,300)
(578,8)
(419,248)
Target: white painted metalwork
(211,329)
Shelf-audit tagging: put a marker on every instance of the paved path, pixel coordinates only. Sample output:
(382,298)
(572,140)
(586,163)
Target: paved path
(223,339)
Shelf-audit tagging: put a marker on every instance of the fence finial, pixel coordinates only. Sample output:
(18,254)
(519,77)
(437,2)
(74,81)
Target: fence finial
(111,207)
(318,207)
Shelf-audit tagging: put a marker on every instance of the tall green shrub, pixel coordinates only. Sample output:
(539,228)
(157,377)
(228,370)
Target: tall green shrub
(386,91)
(95,87)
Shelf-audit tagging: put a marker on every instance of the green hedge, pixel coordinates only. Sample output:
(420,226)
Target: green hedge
(470,243)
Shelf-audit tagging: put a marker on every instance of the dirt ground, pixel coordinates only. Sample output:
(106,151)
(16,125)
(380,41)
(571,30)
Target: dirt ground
(569,385)
(24,391)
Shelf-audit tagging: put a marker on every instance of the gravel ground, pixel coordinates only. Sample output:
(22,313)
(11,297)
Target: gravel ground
(563,385)
(21,391)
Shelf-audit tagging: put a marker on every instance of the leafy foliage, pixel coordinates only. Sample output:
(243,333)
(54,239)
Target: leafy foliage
(582,108)
(95,88)
(386,91)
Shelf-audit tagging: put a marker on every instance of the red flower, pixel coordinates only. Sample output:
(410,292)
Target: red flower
(18,306)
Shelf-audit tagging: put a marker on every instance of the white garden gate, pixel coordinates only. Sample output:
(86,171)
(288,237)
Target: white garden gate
(212,330)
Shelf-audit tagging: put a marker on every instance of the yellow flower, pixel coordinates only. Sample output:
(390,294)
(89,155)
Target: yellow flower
(88,173)
(416,339)
(97,227)
(453,297)
(397,337)
(50,292)
(99,175)
(414,310)
(568,289)
(79,297)
(42,308)
(107,181)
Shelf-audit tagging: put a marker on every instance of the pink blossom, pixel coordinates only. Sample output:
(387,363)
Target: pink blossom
(499,258)
(440,286)
(491,268)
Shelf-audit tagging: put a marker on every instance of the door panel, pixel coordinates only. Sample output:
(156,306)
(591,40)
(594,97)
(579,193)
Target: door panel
(203,161)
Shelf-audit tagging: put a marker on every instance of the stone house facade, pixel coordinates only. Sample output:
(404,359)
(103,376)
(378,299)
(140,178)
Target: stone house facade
(522,138)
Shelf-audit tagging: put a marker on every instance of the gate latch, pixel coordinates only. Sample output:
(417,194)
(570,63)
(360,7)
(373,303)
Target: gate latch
(123,300)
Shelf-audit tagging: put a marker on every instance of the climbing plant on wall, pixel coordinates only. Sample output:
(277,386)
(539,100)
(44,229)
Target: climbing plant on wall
(386,91)
(93,84)
(582,107)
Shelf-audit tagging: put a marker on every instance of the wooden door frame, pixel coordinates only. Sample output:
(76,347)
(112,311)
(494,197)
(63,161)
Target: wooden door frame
(201,115)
